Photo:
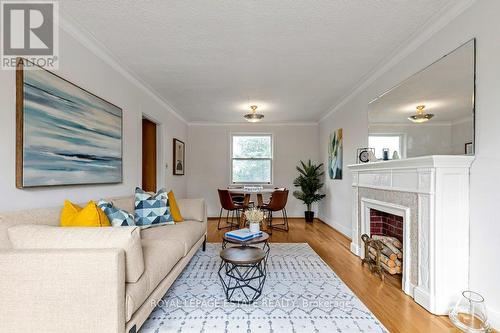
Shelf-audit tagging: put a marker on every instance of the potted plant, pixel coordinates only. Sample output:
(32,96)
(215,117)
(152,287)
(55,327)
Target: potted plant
(309,181)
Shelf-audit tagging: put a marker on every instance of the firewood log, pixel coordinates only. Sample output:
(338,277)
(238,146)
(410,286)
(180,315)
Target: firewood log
(387,242)
(390,239)
(383,258)
(390,270)
(388,253)
(398,244)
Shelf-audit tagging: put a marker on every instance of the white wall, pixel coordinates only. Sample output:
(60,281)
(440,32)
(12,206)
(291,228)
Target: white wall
(82,67)
(480,21)
(208,158)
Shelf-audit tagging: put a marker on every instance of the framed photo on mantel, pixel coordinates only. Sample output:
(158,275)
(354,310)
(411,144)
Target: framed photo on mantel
(179,158)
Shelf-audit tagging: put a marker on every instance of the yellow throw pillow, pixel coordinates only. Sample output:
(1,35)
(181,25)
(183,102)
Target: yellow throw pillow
(69,211)
(174,209)
(90,216)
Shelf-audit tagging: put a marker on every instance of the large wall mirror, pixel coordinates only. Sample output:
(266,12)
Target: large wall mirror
(431,113)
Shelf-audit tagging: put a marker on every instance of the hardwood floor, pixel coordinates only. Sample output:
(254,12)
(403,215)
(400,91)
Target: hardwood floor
(397,311)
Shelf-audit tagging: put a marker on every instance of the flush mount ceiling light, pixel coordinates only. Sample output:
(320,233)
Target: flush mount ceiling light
(421,116)
(253,117)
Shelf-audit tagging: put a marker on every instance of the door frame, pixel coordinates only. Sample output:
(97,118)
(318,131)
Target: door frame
(160,151)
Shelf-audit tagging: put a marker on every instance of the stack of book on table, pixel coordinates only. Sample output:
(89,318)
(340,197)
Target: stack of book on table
(243,234)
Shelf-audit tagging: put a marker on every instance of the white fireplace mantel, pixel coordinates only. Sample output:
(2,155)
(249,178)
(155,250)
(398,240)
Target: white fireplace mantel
(441,184)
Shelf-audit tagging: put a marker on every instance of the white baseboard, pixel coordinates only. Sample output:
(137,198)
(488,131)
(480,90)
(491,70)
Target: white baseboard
(422,297)
(355,249)
(337,226)
(410,290)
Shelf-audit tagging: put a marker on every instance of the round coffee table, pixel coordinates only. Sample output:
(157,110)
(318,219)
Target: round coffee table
(242,273)
(259,240)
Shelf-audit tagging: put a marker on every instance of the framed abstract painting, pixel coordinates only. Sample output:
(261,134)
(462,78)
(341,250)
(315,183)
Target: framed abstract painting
(179,159)
(335,154)
(65,135)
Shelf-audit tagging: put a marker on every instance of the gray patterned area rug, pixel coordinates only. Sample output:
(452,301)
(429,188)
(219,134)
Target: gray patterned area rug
(301,294)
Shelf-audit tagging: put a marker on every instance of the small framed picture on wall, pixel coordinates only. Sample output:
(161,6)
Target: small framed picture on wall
(179,158)
(468,149)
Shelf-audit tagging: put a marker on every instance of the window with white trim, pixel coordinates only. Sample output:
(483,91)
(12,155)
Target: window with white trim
(251,158)
(393,142)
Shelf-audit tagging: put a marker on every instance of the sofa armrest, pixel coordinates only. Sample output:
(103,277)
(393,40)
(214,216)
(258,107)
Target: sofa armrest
(193,209)
(27,237)
(62,290)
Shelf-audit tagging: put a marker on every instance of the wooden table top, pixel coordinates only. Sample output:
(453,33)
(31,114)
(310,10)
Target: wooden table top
(241,255)
(256,191)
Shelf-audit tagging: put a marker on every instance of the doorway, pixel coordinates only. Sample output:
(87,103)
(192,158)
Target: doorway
(149,158)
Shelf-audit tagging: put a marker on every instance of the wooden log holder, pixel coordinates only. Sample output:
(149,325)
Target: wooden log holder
(373,260)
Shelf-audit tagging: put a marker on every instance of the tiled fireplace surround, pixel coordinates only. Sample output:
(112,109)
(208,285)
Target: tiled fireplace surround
(431,195)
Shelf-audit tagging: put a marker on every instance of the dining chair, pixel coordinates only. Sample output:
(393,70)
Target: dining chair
(262,203)
(227,203)
(277,203)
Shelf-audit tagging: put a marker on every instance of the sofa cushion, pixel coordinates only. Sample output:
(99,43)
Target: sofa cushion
(47,237)
(125,203)
(193,209)
(40,216)
(159,259)
(188,233)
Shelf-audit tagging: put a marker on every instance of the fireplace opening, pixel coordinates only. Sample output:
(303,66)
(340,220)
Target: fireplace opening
(386,224)
(388,228)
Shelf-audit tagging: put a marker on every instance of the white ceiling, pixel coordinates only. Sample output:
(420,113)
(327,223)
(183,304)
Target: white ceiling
(211,59)
(446,88)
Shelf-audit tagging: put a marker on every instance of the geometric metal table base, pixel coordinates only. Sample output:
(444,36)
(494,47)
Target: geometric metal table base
(242,284)
(242,273)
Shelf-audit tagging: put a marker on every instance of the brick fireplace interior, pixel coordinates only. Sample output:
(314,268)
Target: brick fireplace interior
(386,224)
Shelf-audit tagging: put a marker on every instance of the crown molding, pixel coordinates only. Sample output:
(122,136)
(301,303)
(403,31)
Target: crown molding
(209,123)
(437,22)
(101,51)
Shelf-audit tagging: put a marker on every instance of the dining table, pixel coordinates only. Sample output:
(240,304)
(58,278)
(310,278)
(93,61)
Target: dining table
(247,192)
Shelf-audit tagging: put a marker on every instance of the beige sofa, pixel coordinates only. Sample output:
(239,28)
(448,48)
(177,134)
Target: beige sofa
(78,288)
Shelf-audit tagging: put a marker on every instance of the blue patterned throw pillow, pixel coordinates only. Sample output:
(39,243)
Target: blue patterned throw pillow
(118,217)
(152,210)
